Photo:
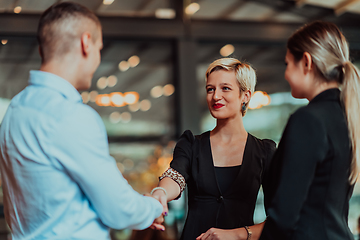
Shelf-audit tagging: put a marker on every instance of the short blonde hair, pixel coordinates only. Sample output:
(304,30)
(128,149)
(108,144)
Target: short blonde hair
(244,74)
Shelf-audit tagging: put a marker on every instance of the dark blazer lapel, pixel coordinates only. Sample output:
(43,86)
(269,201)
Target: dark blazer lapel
(207,177)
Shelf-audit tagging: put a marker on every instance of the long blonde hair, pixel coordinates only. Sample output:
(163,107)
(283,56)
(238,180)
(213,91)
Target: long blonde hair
(330,54)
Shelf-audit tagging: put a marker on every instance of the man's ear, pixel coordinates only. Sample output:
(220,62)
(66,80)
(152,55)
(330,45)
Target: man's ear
(307,62)
(85,43)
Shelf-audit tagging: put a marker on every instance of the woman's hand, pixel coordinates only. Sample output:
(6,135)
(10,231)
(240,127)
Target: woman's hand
(222,234)
(157,224)
(162,198)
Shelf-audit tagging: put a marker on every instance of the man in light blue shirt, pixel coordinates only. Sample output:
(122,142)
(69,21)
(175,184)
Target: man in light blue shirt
(59,180)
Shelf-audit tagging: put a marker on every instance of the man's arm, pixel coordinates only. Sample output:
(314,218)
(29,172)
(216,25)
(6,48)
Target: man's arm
(81,147)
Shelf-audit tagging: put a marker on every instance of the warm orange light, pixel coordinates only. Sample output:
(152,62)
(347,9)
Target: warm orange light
(156,92)
(145,105)
(108,2)
(117,99)
(93,95)
(165,13)
(123,66)
(102,83)
(168,89)
(134,61)
(17,9)
(227,50)
(192,8)
(126,117)
(115,117)
(112,81)
(103,100)
(134,107)
(85,96)
(131,97)
(259,99)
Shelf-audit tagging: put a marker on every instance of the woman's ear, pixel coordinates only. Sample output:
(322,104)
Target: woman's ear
(246,96)
(307,62)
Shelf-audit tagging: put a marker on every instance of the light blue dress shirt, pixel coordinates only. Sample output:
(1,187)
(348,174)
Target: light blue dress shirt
(59,181)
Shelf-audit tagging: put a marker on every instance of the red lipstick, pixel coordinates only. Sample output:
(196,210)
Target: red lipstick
(218,105)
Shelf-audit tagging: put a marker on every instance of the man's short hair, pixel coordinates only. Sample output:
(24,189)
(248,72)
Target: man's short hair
(60,25)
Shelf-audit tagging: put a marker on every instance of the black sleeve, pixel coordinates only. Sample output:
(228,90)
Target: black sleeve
(182,154)
(270,148)
(302,147)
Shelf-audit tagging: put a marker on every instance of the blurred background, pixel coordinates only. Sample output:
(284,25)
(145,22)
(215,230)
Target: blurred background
(150,85)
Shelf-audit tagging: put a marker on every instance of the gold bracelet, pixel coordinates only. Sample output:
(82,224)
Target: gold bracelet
(249,232)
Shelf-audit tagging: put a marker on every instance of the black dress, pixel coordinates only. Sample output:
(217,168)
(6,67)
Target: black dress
(309,175)
(208,206)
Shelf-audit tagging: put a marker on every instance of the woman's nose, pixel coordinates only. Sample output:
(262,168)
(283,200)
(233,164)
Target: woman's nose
(217,95)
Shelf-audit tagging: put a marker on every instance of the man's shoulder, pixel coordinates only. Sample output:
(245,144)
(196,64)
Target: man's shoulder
(78,113)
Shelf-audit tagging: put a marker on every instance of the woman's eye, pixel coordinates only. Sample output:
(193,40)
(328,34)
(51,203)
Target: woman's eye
(226,88)
(209,90)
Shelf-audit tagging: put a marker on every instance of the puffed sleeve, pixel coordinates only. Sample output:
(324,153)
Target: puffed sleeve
(179,169)
(303,145)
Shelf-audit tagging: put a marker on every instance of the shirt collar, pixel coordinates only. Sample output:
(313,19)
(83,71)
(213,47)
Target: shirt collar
(55,82)
(332,94)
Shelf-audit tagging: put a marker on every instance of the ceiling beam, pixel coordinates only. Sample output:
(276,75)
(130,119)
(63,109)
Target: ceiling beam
(139,28)
(23,25)
(344,6)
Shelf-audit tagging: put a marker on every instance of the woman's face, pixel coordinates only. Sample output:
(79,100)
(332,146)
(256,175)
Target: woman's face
(223,94)
(296,77)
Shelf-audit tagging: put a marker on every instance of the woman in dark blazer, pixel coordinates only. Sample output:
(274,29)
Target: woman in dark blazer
(315,166)
(223,168)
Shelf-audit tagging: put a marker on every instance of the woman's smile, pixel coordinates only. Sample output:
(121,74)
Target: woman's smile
(218,105)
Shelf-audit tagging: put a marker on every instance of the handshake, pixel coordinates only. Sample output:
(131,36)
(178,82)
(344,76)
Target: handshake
(159,194)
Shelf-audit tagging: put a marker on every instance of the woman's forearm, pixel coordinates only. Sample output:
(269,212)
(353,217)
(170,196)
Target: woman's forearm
(256,230)
(171,187)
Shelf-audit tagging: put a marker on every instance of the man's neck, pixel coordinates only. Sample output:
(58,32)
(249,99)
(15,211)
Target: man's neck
(64,68)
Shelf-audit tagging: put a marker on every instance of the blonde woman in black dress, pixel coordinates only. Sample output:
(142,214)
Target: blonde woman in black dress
(222,168)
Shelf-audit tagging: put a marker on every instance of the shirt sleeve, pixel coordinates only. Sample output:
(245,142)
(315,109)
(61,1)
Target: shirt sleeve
(80,145)
(302,147)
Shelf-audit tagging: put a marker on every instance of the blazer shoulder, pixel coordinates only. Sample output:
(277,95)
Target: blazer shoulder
(313,113)
(185,141)
(267,146)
